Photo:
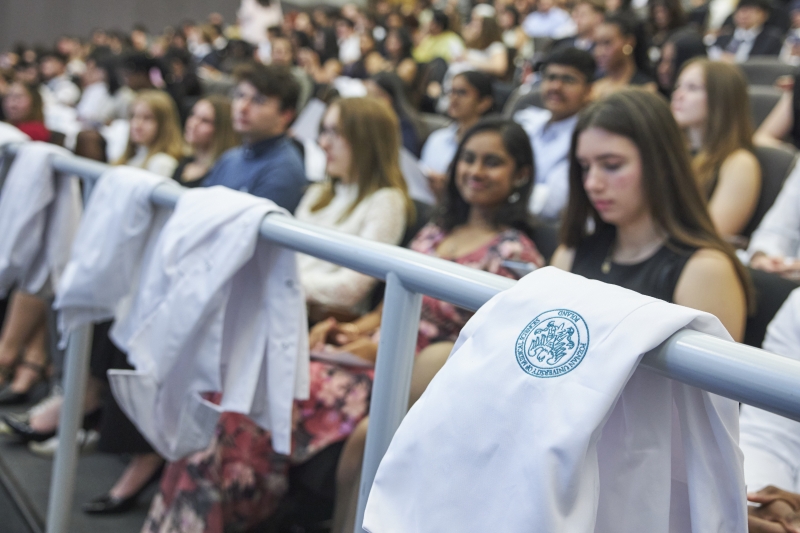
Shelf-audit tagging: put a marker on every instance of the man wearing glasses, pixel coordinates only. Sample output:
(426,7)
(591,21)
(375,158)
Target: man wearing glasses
(567,76)
(268,164)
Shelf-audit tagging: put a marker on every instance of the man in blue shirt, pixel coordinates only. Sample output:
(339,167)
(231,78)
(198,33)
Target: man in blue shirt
(268,164)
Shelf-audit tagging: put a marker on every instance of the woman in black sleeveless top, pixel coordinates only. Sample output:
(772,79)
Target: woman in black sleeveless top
(631,181)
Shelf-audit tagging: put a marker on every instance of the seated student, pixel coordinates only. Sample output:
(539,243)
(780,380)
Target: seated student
(397,49)
(711,105)
(99,80)
(388,87)
(548,20)
(771,443)
(774,244)
(750,37)
(267,164)
(587,15)
(790,52)
(679,48)
(620,57)
(364,195)
(57,87)
(485,49)
(23,108)
(664,17)
(631,176)
(208,133)
(470,99)
(154,143)
(567,77)
(439,42)
(485,52)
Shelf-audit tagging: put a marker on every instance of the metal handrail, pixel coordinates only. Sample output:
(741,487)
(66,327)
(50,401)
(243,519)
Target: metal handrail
(733,370)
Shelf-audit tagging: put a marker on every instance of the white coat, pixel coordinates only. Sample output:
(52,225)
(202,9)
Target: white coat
(39,216)
(541,421)
(770,442)
(101,277)
(218,309)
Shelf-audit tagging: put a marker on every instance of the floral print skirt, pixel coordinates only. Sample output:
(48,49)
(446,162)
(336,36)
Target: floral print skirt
(239,480)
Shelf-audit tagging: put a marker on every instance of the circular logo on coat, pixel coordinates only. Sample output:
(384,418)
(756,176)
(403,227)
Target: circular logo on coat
(552,344)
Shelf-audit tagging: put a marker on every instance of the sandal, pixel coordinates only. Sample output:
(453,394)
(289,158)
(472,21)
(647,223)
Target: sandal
(12,397)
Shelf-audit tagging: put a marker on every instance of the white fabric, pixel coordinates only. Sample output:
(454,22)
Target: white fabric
(419,187)
(39,215)
(306,127)
(60,90)
(96,105)
(379,217)
(778,234)
(158,163)
(439,149)
(771,443)
(218,309)
(11,134)
(555,23)
(113,238)
(550,142)
(255,18)
(350,49)
(593,445)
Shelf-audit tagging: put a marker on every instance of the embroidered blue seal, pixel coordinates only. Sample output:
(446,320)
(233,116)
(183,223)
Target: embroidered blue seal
(552,344)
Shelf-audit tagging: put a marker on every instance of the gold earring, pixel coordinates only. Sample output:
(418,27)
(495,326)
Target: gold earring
(627,49)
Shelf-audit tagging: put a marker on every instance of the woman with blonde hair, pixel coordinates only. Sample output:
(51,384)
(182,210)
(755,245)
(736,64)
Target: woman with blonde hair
(208,133)
(710,103)
(155,141)
(364,194)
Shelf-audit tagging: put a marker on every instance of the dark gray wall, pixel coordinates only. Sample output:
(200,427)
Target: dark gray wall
(42,21)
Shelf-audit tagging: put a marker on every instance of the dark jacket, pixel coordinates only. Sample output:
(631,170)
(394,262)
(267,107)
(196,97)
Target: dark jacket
(767,43)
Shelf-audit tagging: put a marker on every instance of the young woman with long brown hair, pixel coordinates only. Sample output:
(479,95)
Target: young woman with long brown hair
(710,103)
(208,133)
(155,142)
(631,177)
(365,195)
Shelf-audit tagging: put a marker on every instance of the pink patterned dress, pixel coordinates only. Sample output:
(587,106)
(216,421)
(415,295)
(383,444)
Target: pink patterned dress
(239,480)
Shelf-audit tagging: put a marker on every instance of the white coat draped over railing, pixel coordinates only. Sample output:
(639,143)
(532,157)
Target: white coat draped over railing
(733,370)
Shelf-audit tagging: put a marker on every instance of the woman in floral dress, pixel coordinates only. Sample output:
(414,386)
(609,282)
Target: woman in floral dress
(481,223)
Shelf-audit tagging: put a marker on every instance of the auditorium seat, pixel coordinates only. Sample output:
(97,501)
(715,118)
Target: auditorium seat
(764,70)
(776,163)
(771,291)
(522,97)
(762,99)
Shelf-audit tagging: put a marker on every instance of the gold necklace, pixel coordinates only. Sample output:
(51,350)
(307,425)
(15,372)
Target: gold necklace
(605,267)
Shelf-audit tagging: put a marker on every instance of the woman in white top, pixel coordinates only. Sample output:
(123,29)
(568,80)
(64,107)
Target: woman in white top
(485,51)
(364,195)
(155,142)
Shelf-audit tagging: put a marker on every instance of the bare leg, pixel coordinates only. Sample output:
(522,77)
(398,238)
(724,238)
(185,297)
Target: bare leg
(44,417)
(34,362)
(348,478)
(26,314)
(139,470)
(348,473)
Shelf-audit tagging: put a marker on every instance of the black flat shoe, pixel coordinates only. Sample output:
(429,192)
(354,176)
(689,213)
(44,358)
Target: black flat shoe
(22,429)
(107,504)
(9,397)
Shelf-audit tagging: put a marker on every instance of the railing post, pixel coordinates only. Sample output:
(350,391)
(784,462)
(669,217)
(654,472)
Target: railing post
(399,326)
(62,484)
